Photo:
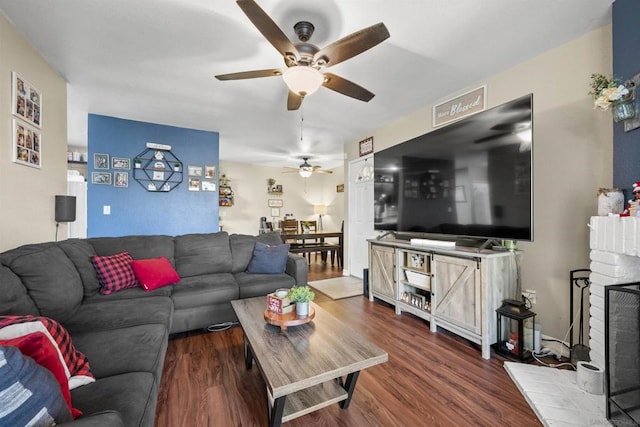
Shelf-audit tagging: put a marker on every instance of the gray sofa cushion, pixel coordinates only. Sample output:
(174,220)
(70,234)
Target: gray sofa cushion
(198,254)
(133,395)
(139,247)
(130,293)
(13,296)
(50,277)
(253,285)
(208,289)
(80,252)
(99,419)
(242,247)
(117,351)
(116,314)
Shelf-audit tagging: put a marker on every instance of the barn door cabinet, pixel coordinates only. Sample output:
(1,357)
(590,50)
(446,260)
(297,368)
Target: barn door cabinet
(458,290)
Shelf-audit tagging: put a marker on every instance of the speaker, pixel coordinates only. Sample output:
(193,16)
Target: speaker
(65,208)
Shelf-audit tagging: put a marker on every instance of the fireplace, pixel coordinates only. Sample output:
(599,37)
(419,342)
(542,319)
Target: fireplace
(622,353)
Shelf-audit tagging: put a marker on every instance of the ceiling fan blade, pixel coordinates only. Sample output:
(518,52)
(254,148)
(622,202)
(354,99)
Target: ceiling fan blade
(345,87)
(352,45)
(294,101)
(250,74)
(268,28)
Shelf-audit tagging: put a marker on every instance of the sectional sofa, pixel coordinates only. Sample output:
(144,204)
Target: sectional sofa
(124,335)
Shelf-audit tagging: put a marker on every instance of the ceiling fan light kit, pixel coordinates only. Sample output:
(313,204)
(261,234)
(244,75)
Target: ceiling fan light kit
(304,60)
(303,80)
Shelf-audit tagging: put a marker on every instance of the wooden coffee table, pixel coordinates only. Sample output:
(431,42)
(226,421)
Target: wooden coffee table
(305,367)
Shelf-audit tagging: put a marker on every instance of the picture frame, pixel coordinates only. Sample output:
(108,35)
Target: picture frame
(101,178)
(277,188)
(340,188)
(120,163)
(275,212)
(194,183)
(100,161)
(26,100)
(275,203)
(208,186)
(365,146)
(209,172)
(121,179)
(194,170)
(27,145)
(416,300)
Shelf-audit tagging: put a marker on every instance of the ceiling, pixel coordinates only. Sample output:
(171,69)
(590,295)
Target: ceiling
(155,61)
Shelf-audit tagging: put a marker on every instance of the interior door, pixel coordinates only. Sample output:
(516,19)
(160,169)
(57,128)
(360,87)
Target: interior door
(360,213)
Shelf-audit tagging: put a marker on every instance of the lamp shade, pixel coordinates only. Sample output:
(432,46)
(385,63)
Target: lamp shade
(65,208)
(320,209)
(302,79)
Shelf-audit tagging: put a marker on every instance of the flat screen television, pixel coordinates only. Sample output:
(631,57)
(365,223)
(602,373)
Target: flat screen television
(470,179)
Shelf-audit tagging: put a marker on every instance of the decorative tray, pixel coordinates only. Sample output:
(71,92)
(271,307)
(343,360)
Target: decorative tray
(289,319)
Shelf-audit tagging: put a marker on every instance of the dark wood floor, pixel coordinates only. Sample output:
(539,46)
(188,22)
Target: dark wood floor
(429,380)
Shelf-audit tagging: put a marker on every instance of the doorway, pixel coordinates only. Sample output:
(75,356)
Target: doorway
(360,214)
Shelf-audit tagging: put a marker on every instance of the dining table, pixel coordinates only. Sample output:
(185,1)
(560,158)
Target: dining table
(308,242)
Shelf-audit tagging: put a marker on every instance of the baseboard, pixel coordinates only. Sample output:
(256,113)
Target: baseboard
(345,272)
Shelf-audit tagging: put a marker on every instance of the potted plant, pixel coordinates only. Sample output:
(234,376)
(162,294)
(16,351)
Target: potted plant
(270,183)
(301,295)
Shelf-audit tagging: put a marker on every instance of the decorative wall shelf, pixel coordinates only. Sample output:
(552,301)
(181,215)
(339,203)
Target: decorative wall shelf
(157,170)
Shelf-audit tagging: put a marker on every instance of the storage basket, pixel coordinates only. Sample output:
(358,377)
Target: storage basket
(417,278)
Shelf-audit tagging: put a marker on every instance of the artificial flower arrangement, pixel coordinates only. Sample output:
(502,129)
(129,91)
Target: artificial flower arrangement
(606,91)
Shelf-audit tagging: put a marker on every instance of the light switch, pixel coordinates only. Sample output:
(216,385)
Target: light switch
(106,210)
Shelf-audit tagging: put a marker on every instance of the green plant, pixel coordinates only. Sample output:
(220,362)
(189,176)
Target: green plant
(301,294)
(605,90)
(271,181)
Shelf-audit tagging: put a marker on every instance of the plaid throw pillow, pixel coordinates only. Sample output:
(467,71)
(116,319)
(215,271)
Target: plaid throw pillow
(114,272)
(76,364)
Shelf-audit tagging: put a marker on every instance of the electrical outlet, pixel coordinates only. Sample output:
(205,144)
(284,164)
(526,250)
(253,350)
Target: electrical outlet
(530,294)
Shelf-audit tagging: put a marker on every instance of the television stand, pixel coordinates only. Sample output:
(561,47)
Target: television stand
(386,233)
(479,244)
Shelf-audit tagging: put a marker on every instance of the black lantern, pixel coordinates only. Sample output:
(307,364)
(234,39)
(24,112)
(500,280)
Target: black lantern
(511,317)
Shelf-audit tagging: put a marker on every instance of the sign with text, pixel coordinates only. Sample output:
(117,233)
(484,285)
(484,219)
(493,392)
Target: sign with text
(460,106)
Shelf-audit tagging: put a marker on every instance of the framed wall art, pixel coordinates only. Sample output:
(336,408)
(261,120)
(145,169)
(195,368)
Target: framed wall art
(120,163)
(209,172)
(275,203)
(275,212)
(101,161)
(101,178)
(121,179)
(194,183)
(27,144)
(194,170)
(27,100)
(366,146)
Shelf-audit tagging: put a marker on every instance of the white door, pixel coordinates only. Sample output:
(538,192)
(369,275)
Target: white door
(360,213)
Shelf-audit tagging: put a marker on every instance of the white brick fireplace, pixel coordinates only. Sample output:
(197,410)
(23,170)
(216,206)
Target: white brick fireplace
(615,259)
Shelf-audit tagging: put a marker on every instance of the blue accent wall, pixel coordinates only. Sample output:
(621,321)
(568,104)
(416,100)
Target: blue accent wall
(626,64)
(134,210)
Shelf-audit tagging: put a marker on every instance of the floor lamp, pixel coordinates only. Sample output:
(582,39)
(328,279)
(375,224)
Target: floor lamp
(65,210)
(320,210)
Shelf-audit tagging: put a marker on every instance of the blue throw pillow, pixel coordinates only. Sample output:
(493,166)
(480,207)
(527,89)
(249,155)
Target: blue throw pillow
(29,393)
(268,259)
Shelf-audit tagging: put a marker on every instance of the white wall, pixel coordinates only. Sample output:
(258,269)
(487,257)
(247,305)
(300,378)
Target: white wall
(249,184)
(27,194)
(573,157)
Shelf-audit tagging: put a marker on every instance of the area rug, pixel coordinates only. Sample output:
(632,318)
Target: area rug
(339,287)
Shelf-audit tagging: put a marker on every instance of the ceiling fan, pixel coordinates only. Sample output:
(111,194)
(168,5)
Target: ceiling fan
(306,170)
(304,60)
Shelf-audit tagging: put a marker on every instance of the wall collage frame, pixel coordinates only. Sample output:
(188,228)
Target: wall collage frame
(26,107)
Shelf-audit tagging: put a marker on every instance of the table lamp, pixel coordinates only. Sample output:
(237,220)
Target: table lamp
(65,210)
(320,210)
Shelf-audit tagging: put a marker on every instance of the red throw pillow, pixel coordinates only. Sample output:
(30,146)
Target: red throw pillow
(114,272)
(38,347)
(154,273)
(76,364)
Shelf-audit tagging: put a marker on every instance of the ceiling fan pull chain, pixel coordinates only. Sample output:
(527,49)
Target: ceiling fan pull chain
(301,124)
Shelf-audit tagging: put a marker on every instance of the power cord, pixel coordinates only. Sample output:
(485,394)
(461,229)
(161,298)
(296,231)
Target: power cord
(550,365)
(219,327)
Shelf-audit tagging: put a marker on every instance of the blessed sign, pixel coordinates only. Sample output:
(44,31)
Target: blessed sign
(463,105)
